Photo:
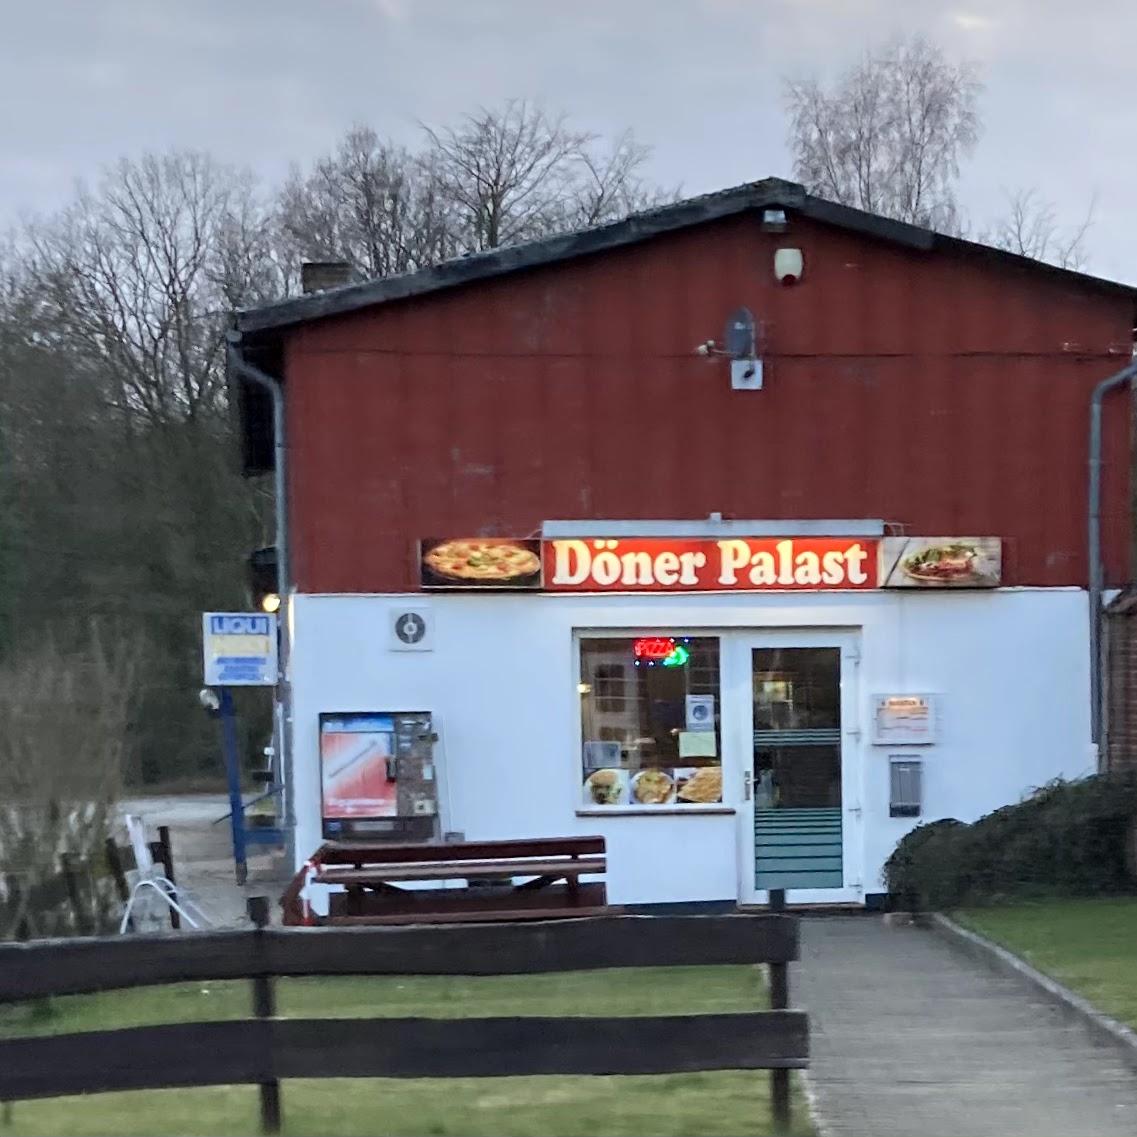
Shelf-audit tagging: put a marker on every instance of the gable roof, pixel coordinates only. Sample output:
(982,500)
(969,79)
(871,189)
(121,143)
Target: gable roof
(771,193)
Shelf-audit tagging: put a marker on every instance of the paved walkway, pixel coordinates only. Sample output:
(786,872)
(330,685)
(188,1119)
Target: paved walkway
(203,858)
(911,1038)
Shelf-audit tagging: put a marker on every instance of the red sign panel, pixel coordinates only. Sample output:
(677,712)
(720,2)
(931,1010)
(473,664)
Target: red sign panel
(751,564)
(655,649)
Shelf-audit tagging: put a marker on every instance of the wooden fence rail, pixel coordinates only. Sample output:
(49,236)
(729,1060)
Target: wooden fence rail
(265,1049)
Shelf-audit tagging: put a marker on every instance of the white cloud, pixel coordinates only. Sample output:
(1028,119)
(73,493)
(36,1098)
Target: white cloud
(972,21)
(393,10)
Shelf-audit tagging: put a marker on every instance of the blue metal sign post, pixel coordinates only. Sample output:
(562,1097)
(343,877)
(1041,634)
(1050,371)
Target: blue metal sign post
(233,777)
(239,649)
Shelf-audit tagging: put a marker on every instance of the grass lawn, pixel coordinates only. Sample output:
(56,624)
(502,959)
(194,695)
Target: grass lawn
(1088,945)
(731,1103)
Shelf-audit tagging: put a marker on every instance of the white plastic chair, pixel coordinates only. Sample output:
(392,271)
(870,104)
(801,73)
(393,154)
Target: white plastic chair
(150,876)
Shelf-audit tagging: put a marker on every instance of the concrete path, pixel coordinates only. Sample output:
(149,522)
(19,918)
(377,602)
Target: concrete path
(911,1038)
(203,858)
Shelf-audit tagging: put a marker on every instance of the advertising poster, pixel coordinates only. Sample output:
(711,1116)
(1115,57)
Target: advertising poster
(701,712)
(357,765)
(238,649)
(906,720)
(941,562)
(480,562)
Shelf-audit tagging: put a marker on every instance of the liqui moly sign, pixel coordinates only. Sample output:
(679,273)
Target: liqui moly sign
(705,565)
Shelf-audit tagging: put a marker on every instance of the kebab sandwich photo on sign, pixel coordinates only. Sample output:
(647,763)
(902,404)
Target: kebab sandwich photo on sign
(941,562)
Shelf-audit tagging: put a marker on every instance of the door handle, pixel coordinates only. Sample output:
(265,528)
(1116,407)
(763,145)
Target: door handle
(747,784)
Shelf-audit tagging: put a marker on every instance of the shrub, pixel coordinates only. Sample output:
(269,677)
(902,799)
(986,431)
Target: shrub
(64,718)
(1066,839)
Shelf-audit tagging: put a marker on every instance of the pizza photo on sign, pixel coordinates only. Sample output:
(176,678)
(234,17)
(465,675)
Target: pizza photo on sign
(480,562)
(940,562)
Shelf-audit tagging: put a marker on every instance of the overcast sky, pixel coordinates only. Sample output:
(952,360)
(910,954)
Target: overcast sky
(266,82)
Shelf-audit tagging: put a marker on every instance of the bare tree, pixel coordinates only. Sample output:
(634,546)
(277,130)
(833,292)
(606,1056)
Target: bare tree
(507,172)
(142,272)
(888,136)
(608,185)
(518,173)
(1031,228)
(499,176)
(66,715)
(370,202)
(115,439)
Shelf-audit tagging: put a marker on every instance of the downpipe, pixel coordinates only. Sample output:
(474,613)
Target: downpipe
(1099,732)
(241,366)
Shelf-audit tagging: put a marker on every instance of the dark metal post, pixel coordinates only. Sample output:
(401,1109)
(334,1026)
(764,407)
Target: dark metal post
(264,1008)
(166,859)
(780,1078)
(779,1001)
(114,863)
(266,382)
(71,881)
(233,776)
(1099,729)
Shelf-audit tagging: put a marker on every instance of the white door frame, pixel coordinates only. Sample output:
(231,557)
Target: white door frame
(738,677)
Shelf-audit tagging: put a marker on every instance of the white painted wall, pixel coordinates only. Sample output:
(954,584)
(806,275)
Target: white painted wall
(1011,667)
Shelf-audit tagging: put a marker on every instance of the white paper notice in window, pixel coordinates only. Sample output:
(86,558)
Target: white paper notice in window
(905,720)
(697,744)
(701,712)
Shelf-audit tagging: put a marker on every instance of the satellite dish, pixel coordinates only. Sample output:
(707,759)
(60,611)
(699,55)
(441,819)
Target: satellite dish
(739,338)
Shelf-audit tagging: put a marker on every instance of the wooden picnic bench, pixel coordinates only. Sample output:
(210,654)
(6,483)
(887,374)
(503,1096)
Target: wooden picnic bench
(528,879)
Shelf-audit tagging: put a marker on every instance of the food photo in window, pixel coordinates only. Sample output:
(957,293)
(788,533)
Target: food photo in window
(649,709)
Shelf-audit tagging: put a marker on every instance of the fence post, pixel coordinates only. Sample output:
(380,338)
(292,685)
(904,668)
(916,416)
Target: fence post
(166,858)
(264,1007)
(114,863)
(71,880)
(779,1001)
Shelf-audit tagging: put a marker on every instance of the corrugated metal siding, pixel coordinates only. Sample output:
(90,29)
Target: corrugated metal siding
(944,394)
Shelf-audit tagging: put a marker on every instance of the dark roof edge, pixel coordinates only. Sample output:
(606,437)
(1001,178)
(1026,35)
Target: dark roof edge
(547,250)
(637,227)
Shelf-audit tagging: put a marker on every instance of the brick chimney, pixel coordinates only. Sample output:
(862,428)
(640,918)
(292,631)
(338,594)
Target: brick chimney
(316,276)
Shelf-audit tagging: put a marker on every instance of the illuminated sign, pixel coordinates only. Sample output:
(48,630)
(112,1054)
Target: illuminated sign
(660,649)
(701,565)
(728,564)
(653,648)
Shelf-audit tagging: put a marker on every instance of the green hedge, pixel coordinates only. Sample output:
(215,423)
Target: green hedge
(1066,839)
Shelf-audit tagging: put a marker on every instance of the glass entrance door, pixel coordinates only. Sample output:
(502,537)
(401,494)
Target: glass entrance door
(796,777)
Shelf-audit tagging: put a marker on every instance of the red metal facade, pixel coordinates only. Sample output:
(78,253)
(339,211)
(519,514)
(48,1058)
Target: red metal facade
(945,393)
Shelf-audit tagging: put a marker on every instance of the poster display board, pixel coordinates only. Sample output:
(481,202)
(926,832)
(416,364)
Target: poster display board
(358,775)
(905,720)
(377,775)
(238,649)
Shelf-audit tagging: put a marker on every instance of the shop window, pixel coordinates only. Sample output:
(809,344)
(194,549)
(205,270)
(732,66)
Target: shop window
(649,709)
(906,787)
(608,689)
